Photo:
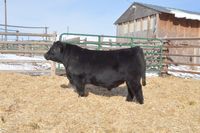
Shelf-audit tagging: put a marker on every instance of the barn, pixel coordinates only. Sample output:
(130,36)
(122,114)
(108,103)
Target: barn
(146,20)
(177,27)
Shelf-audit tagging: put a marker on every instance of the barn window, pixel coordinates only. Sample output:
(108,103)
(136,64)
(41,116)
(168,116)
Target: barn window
(144,24)
(152,22)
(120,29)
(131,27)
(125,28)
(138,25)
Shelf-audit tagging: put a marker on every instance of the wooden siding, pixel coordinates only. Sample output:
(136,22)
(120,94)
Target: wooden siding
(135,13)
(164,25)
(144,27)
(141,12)
(171,26)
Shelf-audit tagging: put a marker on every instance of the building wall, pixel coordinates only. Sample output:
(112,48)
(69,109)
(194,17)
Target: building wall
(164,26)
(141,24)
(169,26)
(142,27)
(149,23)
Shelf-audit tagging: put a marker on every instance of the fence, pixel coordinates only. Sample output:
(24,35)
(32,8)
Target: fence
(181,52)
(152,46)
(160,54)
(27,44)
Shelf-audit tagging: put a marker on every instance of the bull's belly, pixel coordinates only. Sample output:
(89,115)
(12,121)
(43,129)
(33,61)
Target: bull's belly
(109,85)
(106,78)
(107,81)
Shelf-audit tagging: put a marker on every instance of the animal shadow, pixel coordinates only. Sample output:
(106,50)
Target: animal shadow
(119,91)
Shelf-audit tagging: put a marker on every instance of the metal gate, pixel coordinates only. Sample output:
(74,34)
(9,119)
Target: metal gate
(152,47)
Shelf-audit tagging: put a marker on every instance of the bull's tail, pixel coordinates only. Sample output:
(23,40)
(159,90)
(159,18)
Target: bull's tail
(143,66)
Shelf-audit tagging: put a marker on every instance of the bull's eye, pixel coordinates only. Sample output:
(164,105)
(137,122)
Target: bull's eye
(54,50)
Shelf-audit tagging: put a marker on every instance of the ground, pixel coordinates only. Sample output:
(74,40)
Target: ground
(44,104)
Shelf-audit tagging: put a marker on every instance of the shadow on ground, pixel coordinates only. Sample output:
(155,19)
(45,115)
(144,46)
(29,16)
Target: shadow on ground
(119,91)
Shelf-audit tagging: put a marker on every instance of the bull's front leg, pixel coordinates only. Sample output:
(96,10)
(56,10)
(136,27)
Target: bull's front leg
(80,90)
(80,86)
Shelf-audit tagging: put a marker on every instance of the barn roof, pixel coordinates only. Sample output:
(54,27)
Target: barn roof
(128,15)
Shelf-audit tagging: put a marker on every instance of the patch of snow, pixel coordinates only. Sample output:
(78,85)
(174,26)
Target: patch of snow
(184,68)
(14,57)
(23,66)
(152,74)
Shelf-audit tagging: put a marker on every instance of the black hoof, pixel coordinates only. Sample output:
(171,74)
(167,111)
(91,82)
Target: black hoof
(129,99)
(82,94)
(140,101)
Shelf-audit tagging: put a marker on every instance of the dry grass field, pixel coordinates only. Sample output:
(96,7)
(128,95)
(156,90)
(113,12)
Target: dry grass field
(43,104)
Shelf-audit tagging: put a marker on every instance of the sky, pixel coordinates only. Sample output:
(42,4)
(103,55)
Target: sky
(78,16)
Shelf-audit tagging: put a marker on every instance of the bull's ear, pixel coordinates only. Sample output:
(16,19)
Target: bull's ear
(58,42)
(61,46)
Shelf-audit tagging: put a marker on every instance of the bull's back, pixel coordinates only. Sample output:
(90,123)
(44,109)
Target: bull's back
(109,57)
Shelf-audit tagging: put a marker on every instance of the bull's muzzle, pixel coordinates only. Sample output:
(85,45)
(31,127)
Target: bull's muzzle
(46,56)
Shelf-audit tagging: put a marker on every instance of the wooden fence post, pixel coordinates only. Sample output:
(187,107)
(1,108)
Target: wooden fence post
(165,59)
(53,68)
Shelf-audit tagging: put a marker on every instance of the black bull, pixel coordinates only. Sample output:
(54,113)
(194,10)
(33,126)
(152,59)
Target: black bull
(108,69)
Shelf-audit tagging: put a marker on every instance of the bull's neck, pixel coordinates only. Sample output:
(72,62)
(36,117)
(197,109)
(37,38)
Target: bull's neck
(66,55)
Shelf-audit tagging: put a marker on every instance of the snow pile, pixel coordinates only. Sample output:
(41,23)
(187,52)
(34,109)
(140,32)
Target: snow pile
(23,66)
(14,57)
(152,73)
(184,68)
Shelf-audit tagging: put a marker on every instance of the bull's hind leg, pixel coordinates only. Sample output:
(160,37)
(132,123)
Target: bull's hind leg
(136,89)
(139,93)
(130,95)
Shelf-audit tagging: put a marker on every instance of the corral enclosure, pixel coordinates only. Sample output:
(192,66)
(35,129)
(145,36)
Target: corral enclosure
(45,104)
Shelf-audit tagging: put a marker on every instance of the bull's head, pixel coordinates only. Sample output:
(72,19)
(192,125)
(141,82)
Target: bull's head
(55,53)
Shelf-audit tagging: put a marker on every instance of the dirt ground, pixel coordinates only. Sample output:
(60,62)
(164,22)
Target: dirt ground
(43,104)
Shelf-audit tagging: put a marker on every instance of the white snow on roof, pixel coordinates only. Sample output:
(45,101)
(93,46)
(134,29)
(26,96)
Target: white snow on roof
(182,14)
